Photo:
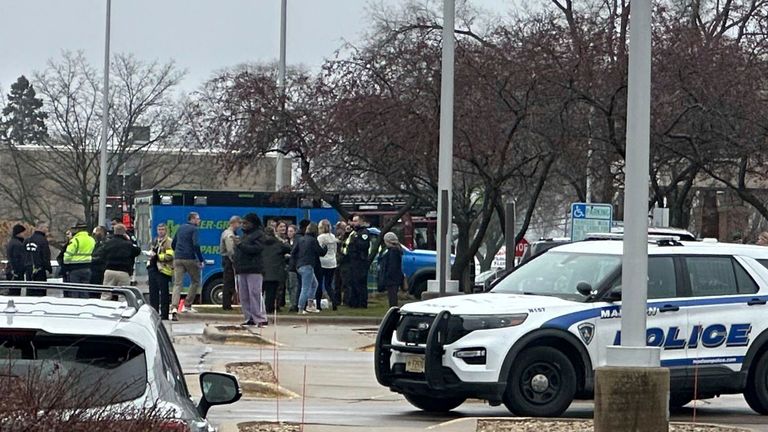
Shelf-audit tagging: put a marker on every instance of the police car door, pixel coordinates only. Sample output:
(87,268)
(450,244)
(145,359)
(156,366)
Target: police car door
(667,323)
(724,313)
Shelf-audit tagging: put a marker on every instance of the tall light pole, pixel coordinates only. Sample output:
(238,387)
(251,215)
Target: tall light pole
(443,284)
(632,391)
(104,127)
(281,85)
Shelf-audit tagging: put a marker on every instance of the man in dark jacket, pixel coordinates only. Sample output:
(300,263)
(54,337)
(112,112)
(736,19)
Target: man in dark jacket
(273,256)
(38,257)
(98,266)
(15,253)
(187,259)
(355,252)
(390,275)
(249,270)
(119,254)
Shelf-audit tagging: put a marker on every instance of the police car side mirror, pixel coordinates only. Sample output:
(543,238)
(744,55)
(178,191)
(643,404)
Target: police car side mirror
(584,288)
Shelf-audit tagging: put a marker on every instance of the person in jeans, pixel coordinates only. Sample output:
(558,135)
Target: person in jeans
(187,259)
(327,267)
(119,254)
(249,270)
(292,283)
(390,275)
(274,269)
(227,250)
(160,271)
(306,254)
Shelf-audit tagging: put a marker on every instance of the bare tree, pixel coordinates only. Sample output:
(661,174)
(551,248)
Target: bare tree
(141,96)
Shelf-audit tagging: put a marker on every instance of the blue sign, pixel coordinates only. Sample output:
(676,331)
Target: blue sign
(589,218)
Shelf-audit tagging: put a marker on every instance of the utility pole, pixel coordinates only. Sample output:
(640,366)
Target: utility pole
(104,127)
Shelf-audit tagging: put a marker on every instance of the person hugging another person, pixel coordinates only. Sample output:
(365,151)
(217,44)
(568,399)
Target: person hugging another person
(249,269)
(391,267)
(306,254)
(275,272)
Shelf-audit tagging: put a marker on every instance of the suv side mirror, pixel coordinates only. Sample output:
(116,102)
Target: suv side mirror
(584,288)
(218,389)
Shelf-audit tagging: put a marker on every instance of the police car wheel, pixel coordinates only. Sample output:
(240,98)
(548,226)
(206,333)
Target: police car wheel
(542,383)
(432,404)
(756,393)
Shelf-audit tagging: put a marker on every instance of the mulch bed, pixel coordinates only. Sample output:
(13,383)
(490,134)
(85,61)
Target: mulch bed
(233,329)
(268,427)
(253,371)
(532,425)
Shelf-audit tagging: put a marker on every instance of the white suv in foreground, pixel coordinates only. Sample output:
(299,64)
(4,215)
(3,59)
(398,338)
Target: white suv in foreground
(108,353)
(534,341)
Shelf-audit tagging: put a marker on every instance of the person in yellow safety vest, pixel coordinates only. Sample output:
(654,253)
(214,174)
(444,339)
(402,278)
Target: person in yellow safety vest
(160,271)
(77,257)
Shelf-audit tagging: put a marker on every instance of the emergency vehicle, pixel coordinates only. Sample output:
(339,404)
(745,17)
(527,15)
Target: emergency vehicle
(533,341)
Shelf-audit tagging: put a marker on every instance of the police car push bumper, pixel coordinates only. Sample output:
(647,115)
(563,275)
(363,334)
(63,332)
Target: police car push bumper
(432,378)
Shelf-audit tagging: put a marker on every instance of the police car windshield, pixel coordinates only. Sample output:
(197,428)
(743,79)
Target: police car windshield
(558,274)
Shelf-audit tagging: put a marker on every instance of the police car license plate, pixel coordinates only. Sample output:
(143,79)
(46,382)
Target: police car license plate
(414,364)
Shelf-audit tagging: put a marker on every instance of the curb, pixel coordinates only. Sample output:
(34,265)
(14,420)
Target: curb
(458,425)
(213,334)
(296,319)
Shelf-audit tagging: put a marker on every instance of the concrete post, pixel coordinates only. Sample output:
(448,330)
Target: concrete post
(509,234)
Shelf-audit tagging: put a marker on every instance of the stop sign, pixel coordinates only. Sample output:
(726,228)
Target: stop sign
(520,247)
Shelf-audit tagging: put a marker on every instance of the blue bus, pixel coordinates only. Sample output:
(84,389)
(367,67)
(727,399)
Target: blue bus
(171,207)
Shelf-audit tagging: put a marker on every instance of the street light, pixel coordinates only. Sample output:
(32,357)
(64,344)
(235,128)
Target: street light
(104,127)
(443,284)
(281,85)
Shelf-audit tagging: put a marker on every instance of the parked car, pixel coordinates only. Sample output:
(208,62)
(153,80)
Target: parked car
(117,346)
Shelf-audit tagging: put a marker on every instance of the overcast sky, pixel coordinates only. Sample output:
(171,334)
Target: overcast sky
(202,36)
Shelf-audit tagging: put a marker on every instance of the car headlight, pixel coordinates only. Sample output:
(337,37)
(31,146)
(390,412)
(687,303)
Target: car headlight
(487,322)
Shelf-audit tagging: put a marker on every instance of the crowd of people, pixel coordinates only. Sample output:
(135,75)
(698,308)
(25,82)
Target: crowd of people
(266,266)
(282,265)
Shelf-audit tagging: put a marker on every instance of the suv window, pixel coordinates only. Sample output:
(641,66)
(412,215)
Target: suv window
(715,276)
(97,370)
(171,366)
(662,282)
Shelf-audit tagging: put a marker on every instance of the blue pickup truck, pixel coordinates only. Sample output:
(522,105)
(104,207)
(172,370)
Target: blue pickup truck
(216,207)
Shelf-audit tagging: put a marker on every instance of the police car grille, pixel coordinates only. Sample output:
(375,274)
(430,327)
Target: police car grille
(414,329)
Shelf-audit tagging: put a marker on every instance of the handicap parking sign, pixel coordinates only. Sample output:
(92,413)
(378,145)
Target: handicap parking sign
(589,218)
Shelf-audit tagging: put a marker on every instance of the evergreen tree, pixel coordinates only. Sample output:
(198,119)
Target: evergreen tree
(23,121)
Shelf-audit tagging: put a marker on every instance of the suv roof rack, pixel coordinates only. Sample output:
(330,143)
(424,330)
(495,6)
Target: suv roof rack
(133,295)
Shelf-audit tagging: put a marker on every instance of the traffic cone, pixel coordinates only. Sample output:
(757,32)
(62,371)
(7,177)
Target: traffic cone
(181,305)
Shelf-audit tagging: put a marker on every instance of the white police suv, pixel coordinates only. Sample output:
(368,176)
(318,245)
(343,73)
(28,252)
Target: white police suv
(533,341)
(110,350)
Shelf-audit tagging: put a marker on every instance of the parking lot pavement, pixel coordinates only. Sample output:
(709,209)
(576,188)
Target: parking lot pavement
(341,393)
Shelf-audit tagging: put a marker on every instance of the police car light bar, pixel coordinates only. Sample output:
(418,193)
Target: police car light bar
(661,240)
